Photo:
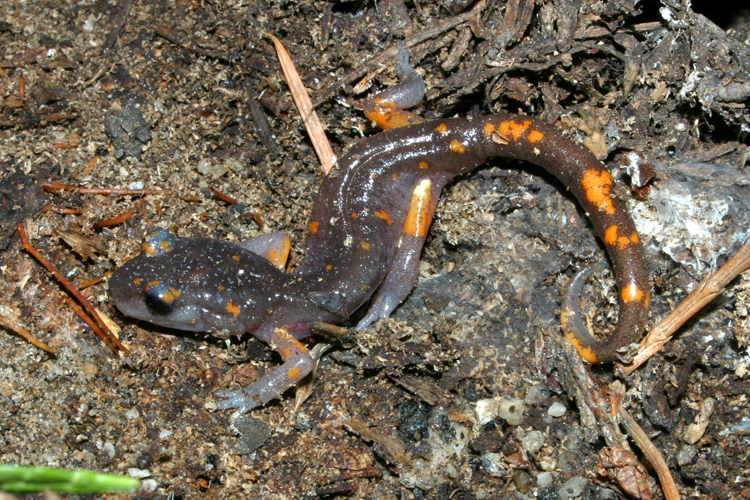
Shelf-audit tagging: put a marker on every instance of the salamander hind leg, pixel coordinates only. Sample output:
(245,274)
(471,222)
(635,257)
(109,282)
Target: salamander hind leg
(297,364)
(398,283)
(404,266)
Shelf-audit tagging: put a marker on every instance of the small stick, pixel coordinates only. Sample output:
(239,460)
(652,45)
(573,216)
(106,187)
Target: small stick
(119,23)
(120,218)
(174,37)
(305,107)
(56,186)
(90,322)
(113,342)
(93,281)
(329,330)
(705,292)
(13,325)
(22,89)
(668,485)
(260,123)
(222,196)
(62,211)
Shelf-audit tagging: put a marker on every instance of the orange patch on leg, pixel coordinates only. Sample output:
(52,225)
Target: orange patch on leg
(421,209)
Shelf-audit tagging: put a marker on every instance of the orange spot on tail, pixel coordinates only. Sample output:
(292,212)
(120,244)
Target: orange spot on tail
(535,136)
(278,255)
(423,164)
(312,227)
(489,128)
(511,128)
(632,293)
(612,238)
(442,128)
(587,353)
(598,184)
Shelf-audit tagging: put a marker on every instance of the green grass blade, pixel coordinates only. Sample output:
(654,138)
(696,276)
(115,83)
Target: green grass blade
(14,479)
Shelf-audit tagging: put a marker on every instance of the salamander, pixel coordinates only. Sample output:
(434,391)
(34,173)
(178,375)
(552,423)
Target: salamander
(368,225)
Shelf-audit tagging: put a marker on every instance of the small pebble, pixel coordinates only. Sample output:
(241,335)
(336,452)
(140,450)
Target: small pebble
(686,453)
(494,464)
(548,494)
(533,441)
(544,479)
(522,480)
(205,167)
(512,410)
(138,473)
(149,485)
(572,439)
(573,488)
(556,410)
(536,395)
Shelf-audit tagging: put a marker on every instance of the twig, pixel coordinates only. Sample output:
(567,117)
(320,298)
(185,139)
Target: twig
(120,218)
(62,211)
(707,290)
(118,24)
(223,197)
(177,39)
(106,334)
(668,485)
(55,186)
(260,123)
(305,107)
(16,327)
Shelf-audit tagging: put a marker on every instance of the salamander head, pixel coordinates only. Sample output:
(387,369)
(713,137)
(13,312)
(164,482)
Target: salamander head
(195,284)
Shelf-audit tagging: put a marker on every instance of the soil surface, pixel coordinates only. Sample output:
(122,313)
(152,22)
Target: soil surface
(186,98)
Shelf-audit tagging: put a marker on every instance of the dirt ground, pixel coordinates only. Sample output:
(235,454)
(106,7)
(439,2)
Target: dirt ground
(186,96)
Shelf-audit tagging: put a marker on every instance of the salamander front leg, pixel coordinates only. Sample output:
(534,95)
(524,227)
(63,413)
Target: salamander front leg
(297,364)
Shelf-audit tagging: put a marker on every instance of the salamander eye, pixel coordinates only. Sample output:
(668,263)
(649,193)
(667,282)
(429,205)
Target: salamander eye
(160,297)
